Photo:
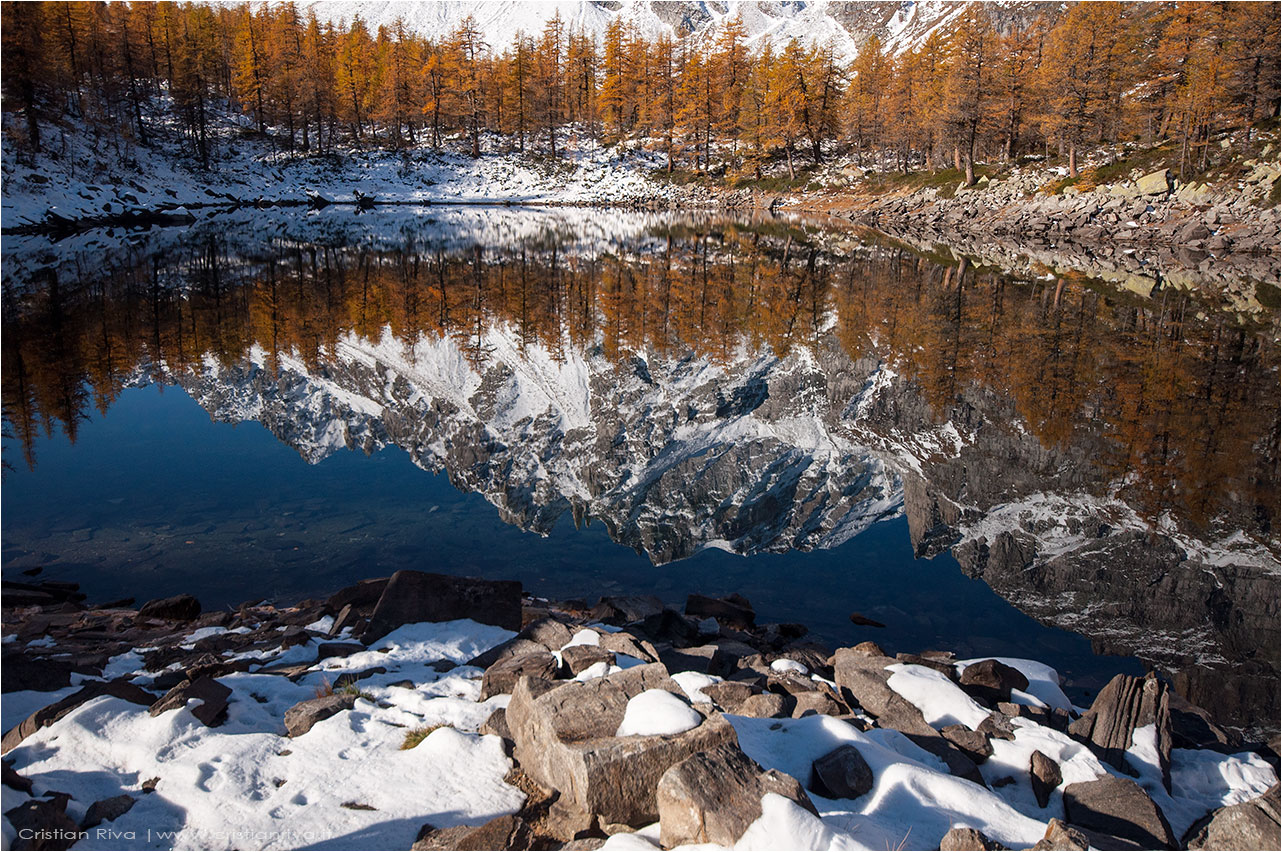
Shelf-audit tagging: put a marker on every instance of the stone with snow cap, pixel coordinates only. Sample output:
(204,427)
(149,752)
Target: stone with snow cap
(565,739)
(713,796)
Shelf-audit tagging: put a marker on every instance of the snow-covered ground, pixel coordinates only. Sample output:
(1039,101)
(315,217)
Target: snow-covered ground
(348,783)
(79,178)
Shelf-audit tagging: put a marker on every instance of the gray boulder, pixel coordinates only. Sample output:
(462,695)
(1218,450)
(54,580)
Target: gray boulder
(414,596)
(300,718)
(766,705)
(1249,825)
(501,678)
(565,740)
(841,774)
(992,681)
(862,678)
(580,658)
(1118,807)
(958,839)
(713,796)
(1045,775)
(1155,183)
(1124,704)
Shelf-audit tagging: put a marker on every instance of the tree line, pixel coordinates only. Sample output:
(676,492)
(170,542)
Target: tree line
(993,86)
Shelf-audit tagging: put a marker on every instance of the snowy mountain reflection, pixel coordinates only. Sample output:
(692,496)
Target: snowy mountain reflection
(1106,463)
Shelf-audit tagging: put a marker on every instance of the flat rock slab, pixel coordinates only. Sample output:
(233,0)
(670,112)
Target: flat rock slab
(712,797)
(1120,807)
(48,715)
(300,718)
(862,678)
(212,695)
(414,596)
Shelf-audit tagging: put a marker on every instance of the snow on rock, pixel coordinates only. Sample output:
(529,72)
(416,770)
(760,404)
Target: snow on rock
(1043,681)
(940,701)
(783,666)
(911,798)
(692,682)
(657,712)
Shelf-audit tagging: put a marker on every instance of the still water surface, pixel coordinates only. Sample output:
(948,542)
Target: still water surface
(822,421)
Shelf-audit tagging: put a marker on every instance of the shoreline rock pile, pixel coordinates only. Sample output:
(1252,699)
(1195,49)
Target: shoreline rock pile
(619,713)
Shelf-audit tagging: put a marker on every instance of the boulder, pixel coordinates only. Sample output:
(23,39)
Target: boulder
(361,597)
(325,650)
(565,740)
(817,702)
(548,632)
(1194,230)
(1248,825)
(212,695)
(765,705)
(625,609)
(958,839)
(578,658)
(992,681)
(973,744)
(177,608)
(22,672)
(496,725)
(713,796)
(1045,775)
(300,718)
(626,643)
(1118,807)
(1154,183)
(730,695)
(503,832)
(862,680)
(514,647)
(500,678)
(48,715)
(43,825)
(107,810)
(1063,837)
(1123,705)
(733,611)
(414,596)
(841,774)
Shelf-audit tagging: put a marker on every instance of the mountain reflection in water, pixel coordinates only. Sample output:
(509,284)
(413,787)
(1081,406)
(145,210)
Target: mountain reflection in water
(1108,464)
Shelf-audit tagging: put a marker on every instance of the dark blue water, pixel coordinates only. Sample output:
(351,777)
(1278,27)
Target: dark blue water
(155,499)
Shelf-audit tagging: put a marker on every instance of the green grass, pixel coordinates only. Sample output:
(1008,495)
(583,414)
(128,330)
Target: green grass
(414,736)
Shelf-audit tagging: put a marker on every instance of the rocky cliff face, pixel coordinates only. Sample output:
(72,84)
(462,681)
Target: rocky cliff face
(677,453)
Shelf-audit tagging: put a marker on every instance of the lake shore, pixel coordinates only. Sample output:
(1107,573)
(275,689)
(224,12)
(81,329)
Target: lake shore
(512,722)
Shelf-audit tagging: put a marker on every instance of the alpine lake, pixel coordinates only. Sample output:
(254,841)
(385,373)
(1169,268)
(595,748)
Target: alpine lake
(1021,463)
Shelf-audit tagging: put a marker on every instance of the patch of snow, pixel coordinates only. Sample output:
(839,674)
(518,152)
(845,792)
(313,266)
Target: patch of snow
(657,712)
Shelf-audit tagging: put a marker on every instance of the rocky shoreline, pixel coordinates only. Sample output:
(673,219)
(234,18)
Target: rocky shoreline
(624,724)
